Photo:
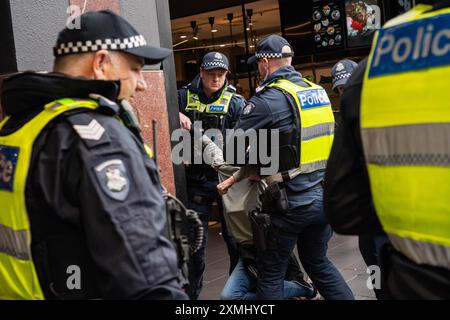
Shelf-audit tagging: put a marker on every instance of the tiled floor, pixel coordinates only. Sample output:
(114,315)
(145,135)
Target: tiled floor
(343,251)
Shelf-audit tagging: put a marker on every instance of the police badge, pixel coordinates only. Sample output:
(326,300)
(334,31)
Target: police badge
(113,179)
(248,109)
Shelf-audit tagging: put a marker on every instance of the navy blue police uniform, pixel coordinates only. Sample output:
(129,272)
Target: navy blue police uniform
(368,244)
(93,195)
(201,178)
(304,224)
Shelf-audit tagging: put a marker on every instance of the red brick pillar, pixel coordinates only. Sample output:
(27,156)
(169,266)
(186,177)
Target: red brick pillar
(151,105)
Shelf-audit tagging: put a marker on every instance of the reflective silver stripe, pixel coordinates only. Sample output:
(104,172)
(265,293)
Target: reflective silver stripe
(15,243)
(318,130)
(422,252)
(408,145)
(313,166)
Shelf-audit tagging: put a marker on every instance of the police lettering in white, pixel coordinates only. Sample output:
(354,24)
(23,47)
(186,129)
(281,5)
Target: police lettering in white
(418,47)
(314,97)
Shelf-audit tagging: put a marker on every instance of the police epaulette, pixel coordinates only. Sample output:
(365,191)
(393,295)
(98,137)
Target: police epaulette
(231,88)
(88,129)
(105,106)
(260,90)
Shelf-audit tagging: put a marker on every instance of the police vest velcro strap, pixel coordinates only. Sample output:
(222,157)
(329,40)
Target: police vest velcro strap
(405,130)
(15,243)
(18,276)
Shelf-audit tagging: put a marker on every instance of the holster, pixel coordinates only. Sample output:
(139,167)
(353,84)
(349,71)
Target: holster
(260,223)
(274,200)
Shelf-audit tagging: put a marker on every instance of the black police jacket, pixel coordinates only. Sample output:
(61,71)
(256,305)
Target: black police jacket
(119,244)
(348,199)
(272,109)
(199,174)
(349,206)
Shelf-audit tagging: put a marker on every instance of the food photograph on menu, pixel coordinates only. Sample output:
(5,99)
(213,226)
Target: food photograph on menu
(327,24)
(363,19)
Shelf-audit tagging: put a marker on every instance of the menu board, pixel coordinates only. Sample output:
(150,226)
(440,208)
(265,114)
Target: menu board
(363,18)
(327,20)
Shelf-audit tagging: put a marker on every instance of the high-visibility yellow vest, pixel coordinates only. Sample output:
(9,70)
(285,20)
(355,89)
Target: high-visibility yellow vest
(316,120)
(405,128)
(148,150)
(219,107)
(18,278)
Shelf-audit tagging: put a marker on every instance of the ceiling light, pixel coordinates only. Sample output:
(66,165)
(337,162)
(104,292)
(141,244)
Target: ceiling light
(183,37)
(213,30)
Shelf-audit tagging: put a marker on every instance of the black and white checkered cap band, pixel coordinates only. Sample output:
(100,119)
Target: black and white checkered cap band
(273,55)
(268,55)
(214,64)
(99,44)
(343,76)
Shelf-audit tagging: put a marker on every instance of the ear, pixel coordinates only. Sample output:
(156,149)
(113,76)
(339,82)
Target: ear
(100,63)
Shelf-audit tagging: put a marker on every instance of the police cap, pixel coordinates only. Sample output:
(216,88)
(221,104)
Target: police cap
(214,60)
(342,71)
(105,30)
(272,47)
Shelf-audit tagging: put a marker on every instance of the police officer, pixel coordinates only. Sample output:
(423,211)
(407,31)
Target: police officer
(209,99)
(388,170)
(301,112)
(340,73)
(369,244)
(82,211)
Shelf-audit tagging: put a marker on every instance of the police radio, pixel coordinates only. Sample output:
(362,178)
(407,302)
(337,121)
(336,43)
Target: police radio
(183,223)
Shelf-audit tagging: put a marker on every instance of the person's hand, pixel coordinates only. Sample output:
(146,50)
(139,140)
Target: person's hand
(223,187)
(185,122)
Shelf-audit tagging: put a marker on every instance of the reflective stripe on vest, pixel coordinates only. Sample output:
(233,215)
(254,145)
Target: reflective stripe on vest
(18,278)
(405,129)
(220,106)
(317,122)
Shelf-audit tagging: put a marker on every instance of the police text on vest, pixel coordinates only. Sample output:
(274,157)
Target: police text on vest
(412,46)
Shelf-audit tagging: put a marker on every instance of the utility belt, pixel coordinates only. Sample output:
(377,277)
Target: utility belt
(274,201)
(201,200)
